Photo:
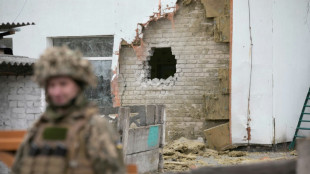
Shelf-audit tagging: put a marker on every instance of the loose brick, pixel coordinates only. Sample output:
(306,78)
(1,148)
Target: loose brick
(18,110)
(33,111)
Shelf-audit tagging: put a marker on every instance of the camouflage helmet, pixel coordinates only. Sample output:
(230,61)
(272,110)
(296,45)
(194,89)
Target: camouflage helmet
(61,61)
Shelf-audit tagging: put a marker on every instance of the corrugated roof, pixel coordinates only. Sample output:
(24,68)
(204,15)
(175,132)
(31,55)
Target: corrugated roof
(16,60)
(8,25)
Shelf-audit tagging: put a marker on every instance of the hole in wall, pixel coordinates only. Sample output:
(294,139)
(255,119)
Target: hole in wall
(162,63)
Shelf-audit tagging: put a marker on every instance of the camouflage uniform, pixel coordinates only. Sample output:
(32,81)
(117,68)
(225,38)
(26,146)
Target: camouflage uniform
(72,139)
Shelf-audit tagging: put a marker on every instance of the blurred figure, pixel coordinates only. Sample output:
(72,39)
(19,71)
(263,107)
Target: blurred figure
(69,137)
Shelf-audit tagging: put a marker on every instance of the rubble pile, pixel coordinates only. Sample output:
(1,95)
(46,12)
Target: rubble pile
(184,154)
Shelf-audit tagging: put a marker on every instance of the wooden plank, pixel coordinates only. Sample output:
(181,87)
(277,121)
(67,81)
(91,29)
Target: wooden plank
(7,159)
(150,114)
(141,110)
(123,126)
(145,161)
(12,134)
(160,111)
(218,137)
(144,138)
(10,144)
(10,140)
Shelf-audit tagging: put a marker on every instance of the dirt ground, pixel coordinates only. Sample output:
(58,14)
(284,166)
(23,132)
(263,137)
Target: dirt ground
(184,154)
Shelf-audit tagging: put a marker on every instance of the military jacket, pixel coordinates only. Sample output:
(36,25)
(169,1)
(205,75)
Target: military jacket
(73,141)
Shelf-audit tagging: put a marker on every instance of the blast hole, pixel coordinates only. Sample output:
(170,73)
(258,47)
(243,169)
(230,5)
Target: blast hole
(162,63)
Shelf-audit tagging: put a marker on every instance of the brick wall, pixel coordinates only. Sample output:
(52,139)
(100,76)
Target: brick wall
(199,59)
(20,102)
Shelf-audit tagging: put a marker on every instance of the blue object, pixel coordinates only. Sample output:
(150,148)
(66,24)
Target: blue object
(152,139)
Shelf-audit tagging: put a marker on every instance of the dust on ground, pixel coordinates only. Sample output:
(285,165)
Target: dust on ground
(184,154)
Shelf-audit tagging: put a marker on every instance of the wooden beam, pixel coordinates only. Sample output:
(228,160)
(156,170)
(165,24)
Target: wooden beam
(7,159)
(10,140)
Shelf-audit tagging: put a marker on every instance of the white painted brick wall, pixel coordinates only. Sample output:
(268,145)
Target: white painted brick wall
(20,102)
(198,60)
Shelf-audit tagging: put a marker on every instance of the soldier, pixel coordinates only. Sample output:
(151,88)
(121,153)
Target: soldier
(69,137)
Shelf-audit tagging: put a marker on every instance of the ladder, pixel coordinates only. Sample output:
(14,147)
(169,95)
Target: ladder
(301,120)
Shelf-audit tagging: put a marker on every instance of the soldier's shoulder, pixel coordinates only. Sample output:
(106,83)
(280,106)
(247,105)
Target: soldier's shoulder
(99,122)
(96,119)
(90,110)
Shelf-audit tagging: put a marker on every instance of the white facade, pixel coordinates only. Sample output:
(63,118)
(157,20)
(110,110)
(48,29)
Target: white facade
(270,54)
(270,69)
(76,18)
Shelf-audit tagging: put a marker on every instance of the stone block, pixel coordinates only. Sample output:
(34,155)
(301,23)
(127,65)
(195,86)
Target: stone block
(37,103)
(30,103)
(16,97)
(19,124)
(20,91)
(18,110)
(32,97)
(21,104)
(13,104)
(33,111)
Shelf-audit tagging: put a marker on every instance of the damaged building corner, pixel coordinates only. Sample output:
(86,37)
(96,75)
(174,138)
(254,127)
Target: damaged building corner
(181,86)
(181,61)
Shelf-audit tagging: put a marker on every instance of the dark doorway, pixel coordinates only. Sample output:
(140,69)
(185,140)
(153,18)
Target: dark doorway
(163,63)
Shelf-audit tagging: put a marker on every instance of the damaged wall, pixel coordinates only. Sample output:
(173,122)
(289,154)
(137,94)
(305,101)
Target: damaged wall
(199,65)
(199,60)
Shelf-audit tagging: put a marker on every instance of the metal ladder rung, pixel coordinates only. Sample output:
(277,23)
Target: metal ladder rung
(303,113)
(303,128)
(304,120)
(300,136)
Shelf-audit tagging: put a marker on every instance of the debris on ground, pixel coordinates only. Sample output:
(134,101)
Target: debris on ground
(294,152)
(185,146)
(184,154)
(237,153)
